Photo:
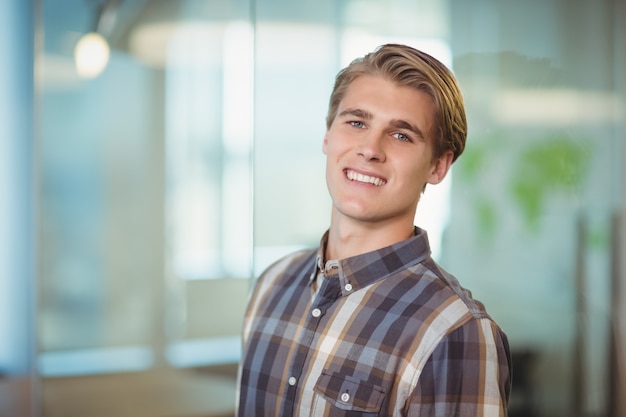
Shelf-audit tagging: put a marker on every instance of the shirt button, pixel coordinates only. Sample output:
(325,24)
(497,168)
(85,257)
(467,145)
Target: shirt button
(292,380)
(316,312)
(348,287)
(345,397)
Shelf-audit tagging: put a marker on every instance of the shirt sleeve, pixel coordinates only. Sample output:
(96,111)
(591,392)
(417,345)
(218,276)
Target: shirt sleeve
(468,374)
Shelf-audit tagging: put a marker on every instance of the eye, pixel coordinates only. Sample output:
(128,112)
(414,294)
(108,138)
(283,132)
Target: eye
(402,137)
(357,123)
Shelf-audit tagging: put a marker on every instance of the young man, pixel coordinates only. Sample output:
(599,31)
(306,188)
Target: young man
(369,324)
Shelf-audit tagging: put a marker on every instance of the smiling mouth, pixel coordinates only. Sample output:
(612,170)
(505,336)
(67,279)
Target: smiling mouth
(355,176)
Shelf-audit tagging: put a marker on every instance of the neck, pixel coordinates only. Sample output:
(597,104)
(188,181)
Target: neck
(351,238)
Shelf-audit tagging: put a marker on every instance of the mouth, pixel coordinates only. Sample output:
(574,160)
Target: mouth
(366,179)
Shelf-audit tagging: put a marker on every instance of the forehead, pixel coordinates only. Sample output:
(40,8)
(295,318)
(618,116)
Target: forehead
(388,100)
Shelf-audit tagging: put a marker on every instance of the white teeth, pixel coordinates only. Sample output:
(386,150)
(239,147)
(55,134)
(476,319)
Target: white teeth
(355,176)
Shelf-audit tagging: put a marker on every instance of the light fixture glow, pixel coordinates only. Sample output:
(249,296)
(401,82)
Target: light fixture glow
(91,55)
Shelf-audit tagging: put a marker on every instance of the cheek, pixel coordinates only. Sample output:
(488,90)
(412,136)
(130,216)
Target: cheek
(331,145)
(419,173)
(333,149)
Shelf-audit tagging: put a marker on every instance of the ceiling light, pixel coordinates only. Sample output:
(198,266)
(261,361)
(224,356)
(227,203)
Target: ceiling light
(91,55)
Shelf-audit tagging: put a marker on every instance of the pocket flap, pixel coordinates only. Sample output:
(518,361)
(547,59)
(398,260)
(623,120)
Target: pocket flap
(348,393)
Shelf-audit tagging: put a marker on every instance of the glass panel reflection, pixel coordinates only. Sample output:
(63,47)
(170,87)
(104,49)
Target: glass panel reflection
(209,146)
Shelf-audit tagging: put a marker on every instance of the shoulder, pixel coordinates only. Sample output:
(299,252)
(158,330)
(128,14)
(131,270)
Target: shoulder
(289,265)
(294,267)
(279,281)
(448,309)
(451,285)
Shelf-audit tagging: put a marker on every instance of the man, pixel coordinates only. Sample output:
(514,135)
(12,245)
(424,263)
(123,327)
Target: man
(369,324)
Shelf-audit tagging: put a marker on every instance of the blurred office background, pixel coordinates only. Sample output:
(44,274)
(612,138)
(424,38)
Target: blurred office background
(148,176)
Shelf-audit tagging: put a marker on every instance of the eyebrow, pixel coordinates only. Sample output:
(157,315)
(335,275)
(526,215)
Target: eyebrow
(364,114)
(395,123)
(403,124)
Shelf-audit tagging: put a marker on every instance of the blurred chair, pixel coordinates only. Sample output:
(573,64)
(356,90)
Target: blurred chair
(521,403)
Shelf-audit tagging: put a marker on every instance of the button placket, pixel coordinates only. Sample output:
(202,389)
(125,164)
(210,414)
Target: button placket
(329,291)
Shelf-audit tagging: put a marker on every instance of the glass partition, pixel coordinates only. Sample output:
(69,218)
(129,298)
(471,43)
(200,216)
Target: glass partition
(18,376)
(535,195)
(192,160)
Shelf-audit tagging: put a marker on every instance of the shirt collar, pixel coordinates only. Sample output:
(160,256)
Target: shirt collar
(362,270)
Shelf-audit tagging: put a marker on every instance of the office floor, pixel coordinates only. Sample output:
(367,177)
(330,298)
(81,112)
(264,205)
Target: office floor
(199,392)
(167,393)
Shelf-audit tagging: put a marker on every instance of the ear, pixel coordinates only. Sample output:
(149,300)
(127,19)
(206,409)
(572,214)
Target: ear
(325,144)
(440,168)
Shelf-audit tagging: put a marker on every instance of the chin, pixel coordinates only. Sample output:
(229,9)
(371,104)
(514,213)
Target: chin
(360,214)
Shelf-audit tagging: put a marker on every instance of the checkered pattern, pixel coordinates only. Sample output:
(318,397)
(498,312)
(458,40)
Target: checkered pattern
(387,333)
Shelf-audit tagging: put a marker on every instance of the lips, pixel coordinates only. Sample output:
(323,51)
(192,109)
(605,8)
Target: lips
(363,178)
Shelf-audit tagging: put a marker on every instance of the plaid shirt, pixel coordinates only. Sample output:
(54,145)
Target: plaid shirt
(386,333)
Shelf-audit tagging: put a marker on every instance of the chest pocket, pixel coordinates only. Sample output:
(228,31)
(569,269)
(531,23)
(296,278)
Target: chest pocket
(349,396)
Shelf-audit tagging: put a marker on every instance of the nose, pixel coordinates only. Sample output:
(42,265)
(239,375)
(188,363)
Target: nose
(371,147)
